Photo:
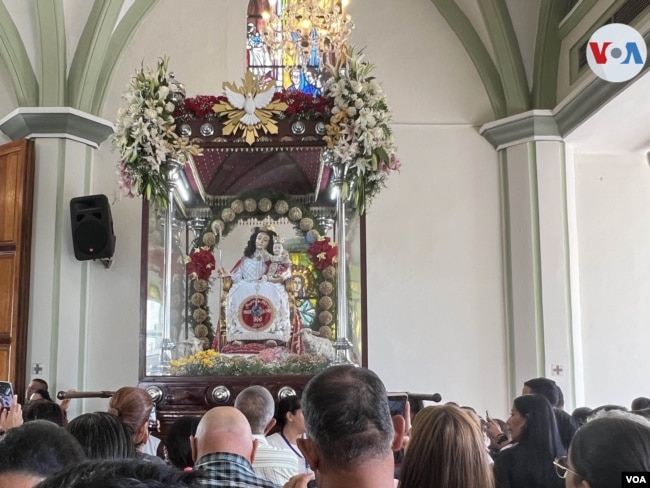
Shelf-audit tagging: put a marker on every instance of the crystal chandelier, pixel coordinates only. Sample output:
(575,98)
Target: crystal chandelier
(308,32)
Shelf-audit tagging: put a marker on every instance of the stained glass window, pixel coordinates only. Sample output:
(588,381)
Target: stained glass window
(274,64)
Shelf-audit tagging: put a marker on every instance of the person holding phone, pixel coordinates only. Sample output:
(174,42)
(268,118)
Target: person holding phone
(11,417)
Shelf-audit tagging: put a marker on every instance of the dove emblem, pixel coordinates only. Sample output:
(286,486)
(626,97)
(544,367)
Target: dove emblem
(250,108)
(249,104)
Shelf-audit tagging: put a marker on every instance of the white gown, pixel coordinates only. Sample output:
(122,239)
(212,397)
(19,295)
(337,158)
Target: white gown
(256,309)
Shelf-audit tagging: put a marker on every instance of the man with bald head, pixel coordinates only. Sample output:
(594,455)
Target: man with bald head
(224,449)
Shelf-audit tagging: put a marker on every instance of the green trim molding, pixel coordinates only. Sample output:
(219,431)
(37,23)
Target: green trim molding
(56,122)
(507,53)
(14,55)
(534,125)
(51,25)
(478,54)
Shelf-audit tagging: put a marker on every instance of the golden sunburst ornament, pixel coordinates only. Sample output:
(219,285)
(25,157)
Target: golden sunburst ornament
(249,108)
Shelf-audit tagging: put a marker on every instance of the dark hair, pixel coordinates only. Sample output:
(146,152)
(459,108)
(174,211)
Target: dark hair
(132,405)
(45,395)
(606,446)
(178,445)
(42,382)
(102,436)
(640,403)
(257,405)
(45,410)
(40,448)
(580,415)
(347,415)
(285,405)
(539,442)
(545,387)
(250,246)
(609,407)
(124,473)
(540,430)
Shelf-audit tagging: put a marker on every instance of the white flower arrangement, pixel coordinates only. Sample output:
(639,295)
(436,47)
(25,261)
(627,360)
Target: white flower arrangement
(145,136)
(359,131)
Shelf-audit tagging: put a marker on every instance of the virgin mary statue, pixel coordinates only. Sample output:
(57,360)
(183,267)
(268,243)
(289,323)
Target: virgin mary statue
(257,309)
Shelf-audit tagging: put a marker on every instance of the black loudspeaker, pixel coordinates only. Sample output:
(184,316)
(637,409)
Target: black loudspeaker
(92,228)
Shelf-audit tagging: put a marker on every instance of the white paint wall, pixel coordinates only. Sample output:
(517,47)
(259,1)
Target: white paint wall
(612,207)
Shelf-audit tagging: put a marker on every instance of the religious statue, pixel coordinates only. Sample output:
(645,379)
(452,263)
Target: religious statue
(257,306)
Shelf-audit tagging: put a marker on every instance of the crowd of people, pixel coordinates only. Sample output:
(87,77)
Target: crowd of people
(351,441)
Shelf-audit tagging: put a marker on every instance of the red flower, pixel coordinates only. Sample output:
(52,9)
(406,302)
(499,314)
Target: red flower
(201,264)
(323,253)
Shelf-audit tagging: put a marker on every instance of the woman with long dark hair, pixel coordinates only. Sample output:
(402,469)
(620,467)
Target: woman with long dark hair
(529,462)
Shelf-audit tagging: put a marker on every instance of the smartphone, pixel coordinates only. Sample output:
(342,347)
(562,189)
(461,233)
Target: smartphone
(397,403)
(153,419)
(6,394)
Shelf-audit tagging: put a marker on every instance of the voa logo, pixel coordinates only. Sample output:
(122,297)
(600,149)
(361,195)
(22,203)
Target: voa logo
(616,52)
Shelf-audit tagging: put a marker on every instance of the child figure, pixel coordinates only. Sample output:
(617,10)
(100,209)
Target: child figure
(280,267)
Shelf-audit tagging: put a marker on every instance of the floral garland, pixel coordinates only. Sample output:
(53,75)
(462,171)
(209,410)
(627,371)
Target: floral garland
(210,362)
(358,123)
(359,130)
(145,134)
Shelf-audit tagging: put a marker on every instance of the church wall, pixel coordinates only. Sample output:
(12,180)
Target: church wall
(612,202)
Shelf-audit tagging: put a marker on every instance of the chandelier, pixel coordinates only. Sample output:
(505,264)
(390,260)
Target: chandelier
(307,32)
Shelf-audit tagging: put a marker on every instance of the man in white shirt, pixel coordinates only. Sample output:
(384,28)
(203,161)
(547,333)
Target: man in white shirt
(273,463)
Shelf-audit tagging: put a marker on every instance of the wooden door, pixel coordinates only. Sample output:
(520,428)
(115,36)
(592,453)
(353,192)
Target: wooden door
(16,199)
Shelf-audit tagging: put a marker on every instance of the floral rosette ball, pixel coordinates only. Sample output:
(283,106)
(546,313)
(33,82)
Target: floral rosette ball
(200,285)
(209,239)
(281,207)
(198,299)
(228,214)
(326,288)
(325,317)
(250,205)
(306,224)
(237,206)
(265,204)
(325,302)
(200,315)
(295,213)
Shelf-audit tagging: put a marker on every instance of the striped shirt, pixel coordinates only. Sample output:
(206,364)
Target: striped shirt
(274,463)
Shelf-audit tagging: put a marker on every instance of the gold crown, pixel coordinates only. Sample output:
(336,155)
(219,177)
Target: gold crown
(262,228)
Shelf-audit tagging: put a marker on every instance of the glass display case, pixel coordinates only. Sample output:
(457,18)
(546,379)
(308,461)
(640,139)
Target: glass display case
(254,274)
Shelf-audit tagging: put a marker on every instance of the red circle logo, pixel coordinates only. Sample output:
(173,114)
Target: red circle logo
(256,313)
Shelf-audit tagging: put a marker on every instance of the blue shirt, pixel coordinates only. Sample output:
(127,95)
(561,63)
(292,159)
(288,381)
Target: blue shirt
(226,469)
